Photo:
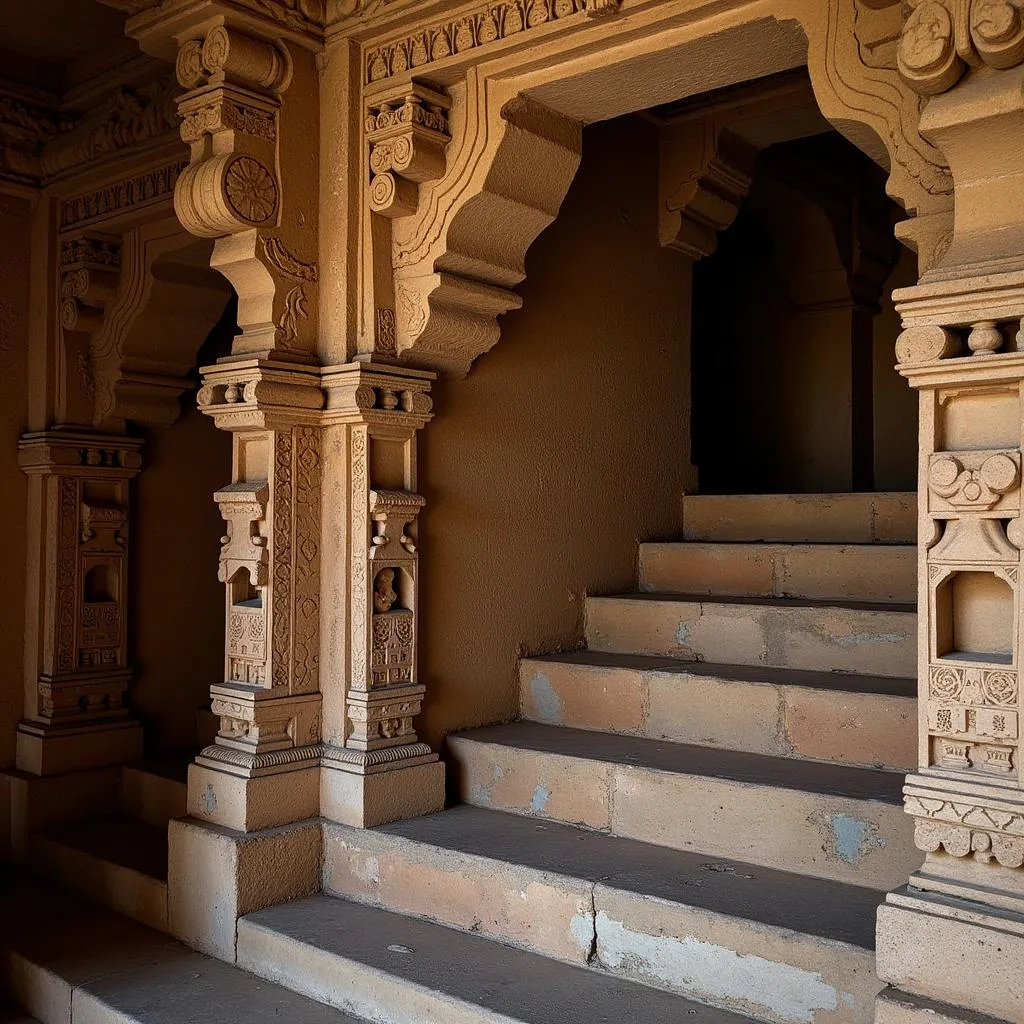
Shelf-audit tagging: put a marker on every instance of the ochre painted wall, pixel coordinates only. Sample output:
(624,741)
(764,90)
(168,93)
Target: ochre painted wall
(179,604)
(564,447)
(15,232)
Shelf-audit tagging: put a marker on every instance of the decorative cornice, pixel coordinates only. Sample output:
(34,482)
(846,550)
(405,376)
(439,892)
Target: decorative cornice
(141,190)
(39,144)
(487,24)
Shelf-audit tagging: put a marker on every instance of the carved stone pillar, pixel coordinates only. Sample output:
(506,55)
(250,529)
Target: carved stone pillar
(76,650)
(955,934)
(262,770)
(374,768)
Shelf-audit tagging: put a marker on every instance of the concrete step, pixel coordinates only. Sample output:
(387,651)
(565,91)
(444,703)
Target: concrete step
(831,716)
(116,861)
(68,962)
(825,820)
(155,790)
(873,639)
(853,572)
(399,970)
(884,517)
(780,947)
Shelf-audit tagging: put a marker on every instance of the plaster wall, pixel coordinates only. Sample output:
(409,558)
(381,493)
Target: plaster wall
(565,446)
(15,233)
(179,604)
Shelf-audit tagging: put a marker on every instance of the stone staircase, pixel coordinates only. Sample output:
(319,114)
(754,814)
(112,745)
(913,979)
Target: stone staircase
(695,819)
(120,859)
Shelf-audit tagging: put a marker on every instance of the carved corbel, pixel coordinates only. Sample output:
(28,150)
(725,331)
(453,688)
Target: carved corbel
(407,141)
(90,273)
(704,173)
(242,155)
(406,132)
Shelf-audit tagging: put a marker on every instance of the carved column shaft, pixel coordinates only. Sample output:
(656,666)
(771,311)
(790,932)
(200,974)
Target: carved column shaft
(955,933)
(372,418)
(269,701)
(77,667)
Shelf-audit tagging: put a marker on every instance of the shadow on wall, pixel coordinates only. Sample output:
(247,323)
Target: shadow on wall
(15,228)
(565,445)
(179,604)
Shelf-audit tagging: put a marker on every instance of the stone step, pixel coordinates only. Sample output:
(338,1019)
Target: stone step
(780,947)
(69,962)
(873,639)
(826,820)
(116,861)
(883,517)
(856,572)
(395,969)
(831,716)
(155,790)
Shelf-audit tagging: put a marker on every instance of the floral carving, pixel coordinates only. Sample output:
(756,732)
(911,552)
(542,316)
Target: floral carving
(251,190)
(477,28)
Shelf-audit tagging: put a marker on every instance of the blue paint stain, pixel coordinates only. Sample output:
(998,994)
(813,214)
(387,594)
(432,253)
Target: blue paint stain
(682,634)
(854,837)
(545,700)
(541,795)
(208,800)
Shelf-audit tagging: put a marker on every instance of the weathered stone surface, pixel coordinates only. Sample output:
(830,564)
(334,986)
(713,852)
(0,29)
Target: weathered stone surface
(882,518)
(830,821)
(392,968)
(773,944)
(216,875)
(71,963)
(778,632)
(832,716)
(862,572)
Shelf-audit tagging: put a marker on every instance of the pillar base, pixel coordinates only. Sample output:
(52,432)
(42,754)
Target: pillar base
(249,804)
(216,875)
(365,800)
(45,749)
(37,801)
(953,951)
(895,1007)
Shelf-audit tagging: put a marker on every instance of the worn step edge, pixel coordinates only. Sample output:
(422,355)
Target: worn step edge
(881,517)
(836,717)
(723,933)
(831,821)
(862,572)
(402,970)
(70,962)
(117,875)
(850,636)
